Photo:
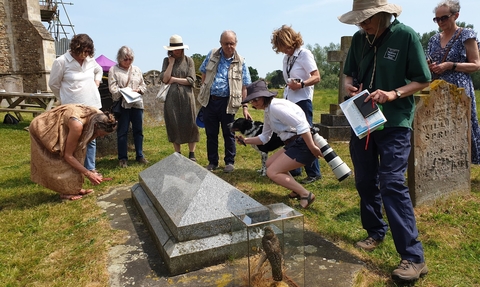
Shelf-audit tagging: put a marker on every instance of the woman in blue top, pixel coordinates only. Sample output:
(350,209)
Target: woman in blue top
(289,122)
(453,56)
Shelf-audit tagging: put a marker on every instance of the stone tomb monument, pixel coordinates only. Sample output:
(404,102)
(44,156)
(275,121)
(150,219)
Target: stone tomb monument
(439,163)
(334,125)
(188,211)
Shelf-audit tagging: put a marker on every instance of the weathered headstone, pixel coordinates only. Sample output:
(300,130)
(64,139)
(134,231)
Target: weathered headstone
(334,125)
(188,211)
(153,107)
(439,164)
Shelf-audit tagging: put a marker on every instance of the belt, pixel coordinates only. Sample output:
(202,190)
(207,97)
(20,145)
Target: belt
(289,140)
(216,98)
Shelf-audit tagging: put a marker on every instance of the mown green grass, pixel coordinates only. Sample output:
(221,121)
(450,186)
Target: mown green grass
(47,242)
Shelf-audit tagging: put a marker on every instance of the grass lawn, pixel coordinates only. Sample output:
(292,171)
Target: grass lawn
(47,242)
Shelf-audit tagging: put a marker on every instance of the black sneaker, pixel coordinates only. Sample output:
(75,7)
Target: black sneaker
(310,179)
(211,167)
(409,271)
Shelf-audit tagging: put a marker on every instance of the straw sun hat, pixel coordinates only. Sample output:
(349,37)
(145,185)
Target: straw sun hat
(364,9)
(176,43)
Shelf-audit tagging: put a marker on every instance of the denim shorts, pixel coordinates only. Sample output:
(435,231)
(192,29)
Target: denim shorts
(299,151)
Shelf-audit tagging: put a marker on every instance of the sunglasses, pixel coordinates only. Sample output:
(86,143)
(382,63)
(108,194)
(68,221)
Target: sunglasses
(255,100)
(366,22)
(127,59)
(442,19)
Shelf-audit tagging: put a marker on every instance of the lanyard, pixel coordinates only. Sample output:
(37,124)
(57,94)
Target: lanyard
(290,63)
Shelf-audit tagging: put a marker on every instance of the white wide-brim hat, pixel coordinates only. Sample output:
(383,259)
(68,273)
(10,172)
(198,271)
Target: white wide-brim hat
(364,9)
(176,43)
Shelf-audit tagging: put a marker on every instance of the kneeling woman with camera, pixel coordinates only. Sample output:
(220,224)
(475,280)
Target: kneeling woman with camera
(289,122)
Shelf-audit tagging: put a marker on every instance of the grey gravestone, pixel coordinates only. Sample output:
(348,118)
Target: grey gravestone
(439,164)
(188,211)
(334,125)
(153,107)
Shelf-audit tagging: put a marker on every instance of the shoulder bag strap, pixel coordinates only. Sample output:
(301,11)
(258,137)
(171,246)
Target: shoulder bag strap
(449,47)
(129,75)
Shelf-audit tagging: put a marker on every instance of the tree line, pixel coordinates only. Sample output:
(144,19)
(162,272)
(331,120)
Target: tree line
(329,71)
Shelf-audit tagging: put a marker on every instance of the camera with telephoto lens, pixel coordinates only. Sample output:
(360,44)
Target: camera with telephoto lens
(339,168)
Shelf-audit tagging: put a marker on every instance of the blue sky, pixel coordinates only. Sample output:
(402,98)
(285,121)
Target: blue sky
(147,25)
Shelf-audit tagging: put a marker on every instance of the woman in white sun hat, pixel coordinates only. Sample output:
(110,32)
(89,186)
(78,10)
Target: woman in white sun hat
(180,113)
(387,58)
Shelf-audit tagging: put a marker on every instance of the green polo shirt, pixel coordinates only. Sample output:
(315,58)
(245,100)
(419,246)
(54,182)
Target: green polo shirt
(400,59)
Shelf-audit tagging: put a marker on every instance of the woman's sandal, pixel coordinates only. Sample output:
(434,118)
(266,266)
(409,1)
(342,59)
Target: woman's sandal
(78,196)
(293,195)
(309,200)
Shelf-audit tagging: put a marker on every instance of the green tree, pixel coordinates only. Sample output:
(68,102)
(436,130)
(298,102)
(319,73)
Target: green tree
(275,79)
(198,60)
(253,74)
(329,72)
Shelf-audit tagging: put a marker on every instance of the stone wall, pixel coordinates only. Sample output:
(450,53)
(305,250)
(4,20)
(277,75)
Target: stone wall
(27,50)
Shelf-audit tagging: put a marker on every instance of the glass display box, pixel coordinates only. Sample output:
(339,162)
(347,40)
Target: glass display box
(267,247)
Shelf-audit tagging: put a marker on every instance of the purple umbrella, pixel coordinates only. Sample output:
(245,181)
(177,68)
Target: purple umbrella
(105,62)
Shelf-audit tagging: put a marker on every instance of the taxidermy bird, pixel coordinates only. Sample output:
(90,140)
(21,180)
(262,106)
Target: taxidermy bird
(273,251)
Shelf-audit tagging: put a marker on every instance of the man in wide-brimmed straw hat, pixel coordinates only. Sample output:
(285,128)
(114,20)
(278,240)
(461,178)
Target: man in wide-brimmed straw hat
(387,58)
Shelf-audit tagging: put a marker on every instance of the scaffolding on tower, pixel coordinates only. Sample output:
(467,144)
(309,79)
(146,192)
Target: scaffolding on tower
(54,13)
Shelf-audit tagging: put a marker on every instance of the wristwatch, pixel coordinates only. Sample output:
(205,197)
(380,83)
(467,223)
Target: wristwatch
(397,92)
(303,84)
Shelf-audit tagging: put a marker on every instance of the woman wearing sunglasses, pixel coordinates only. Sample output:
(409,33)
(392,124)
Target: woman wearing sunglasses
(74,79)
(126,75)
(454,55)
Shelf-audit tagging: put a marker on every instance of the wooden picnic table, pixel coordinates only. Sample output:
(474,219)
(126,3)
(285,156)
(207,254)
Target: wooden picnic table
(26,103)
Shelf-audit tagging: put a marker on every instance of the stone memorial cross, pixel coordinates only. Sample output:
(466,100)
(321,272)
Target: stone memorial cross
(340,56)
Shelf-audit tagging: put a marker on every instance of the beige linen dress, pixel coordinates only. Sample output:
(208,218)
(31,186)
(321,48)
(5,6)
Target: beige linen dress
(48,136)
(179,108)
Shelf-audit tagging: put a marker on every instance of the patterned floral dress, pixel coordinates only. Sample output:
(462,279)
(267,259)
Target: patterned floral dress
(458,54)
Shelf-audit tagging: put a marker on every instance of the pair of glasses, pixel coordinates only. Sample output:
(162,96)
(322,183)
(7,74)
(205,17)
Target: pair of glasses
(127,59)
(442,19)
(366,22)
(255,100)
(229,44)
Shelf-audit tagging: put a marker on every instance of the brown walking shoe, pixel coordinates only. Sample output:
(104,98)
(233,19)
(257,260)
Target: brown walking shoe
(368,244)
(409,271)
(142,160)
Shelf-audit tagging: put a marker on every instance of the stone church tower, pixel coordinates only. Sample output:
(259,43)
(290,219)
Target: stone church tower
(27,50)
